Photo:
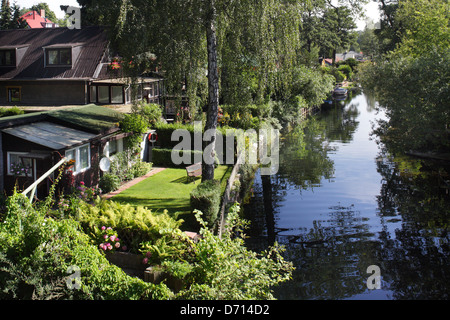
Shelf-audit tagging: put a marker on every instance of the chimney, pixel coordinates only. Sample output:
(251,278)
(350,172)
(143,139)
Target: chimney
(42,13)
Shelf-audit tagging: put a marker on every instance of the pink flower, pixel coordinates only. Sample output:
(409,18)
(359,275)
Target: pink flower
(109,246)
(82,183)
(103,228)
(117,245)
(124,248)
(145,261)
(112,238)
(105,236)
(148,254)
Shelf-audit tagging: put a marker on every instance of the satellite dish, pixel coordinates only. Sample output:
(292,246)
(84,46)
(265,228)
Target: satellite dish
(105,164)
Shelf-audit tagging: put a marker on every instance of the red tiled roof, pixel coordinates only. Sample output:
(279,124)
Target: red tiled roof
(35,20)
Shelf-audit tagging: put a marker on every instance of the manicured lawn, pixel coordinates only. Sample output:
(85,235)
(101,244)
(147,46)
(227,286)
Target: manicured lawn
(169,190)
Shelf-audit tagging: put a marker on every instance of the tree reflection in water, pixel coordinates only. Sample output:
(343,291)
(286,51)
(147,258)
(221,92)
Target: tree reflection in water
(410,243)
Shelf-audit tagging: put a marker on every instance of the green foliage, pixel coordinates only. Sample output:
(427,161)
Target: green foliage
(207,198)
(109,182)
(346,70)
(312,85)
(426,26)
(134,225)
(413,81)
(165,131)
(36,252)
(6,112)
(163,157)
(415,93)
(127,165)
(223,268)
(151,112)
(136,124)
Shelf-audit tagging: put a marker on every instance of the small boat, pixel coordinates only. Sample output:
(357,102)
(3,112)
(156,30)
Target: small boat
(340,91)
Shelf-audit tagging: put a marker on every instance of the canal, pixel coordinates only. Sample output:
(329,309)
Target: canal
(341,203)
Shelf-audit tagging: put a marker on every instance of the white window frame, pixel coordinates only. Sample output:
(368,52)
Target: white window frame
(119,148)
(9,173)
(77,168)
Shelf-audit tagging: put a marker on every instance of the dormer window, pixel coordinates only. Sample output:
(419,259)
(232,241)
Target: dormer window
(59,57)
(7,58)
(62,55)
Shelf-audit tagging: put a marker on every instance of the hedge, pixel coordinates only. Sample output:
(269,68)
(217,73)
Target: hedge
(163,158)
(207,198)
(165,130)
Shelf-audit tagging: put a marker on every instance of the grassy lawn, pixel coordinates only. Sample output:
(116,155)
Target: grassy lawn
(169,190)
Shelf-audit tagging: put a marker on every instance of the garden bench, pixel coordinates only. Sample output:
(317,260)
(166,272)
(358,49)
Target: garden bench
(194,171)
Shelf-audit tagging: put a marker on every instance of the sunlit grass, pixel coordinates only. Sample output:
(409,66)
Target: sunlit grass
(169,190)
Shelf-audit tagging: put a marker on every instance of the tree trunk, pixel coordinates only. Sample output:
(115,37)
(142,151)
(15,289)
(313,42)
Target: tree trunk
(213,89)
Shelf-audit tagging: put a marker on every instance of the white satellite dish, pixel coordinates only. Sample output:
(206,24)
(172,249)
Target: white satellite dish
(105,164)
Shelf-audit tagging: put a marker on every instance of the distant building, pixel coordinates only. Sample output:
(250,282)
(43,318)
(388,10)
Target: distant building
(326,62)
(350,54)
(38,20)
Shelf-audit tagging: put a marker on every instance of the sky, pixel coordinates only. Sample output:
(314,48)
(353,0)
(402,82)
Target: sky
(371,8)
(53,5)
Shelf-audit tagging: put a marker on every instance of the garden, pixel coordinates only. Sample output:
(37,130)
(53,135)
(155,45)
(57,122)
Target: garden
(41,245)
(69,245)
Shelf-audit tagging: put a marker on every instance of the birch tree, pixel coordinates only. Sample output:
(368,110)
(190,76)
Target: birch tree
(205,43)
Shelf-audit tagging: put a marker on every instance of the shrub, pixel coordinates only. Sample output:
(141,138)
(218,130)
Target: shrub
(140,168)
(346,70)
(36,253)
(109,182)
(207,198)
(136,124)
(10,112)
(224,269)
(151,112)
(134,225)
(163,157)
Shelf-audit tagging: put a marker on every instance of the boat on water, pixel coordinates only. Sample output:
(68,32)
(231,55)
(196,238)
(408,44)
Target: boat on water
(339,91)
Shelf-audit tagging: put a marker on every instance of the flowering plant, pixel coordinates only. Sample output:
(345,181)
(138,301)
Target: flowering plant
(18,169)
(115,64)
(109,240)
(85,193)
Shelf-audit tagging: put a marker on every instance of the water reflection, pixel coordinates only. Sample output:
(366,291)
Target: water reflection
(340,204)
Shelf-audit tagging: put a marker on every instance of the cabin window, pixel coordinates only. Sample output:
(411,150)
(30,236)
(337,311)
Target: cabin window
(113,147)
(82,157)
(8,58)
(59,57)
(103,94)
(19,166)
(93,94)
(106,94)
(116,94)
(14,94)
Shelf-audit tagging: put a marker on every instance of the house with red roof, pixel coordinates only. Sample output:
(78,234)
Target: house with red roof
(38,20)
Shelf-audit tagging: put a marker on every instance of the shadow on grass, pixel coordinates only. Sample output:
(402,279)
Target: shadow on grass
(186,180)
